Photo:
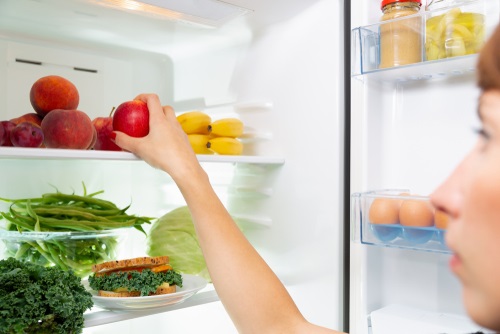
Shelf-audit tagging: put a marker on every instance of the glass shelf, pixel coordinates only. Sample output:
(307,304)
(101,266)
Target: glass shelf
(394,218)
(428,70)
(64,154)
(97,316)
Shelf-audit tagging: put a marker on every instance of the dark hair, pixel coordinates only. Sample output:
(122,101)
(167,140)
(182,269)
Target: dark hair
(488,66)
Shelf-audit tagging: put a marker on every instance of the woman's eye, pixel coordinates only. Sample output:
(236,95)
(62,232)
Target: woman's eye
(482,133)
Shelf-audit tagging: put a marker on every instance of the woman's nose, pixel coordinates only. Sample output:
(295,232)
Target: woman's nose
(448,196)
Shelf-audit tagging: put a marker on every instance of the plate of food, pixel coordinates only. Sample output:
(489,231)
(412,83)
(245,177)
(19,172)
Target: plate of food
(140,283)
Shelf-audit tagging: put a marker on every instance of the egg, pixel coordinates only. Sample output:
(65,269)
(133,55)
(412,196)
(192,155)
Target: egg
(384,211)
(416,213)
(441,219)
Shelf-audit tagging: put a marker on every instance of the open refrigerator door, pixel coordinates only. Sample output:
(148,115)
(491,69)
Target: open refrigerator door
(277,66)
(411,125)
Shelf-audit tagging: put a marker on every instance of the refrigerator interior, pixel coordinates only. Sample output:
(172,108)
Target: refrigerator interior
(408,134)
(278,66)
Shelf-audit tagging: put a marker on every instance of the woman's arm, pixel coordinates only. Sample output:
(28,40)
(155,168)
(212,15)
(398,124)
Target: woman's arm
(252,294)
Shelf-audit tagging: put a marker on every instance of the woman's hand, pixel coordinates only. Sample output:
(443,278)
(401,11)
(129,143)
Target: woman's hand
(166,147)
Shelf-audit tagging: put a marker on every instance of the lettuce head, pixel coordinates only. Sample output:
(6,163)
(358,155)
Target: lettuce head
(173,234)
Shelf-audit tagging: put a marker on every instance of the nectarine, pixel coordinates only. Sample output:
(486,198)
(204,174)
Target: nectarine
(30,117)
(53,92)
(71,129)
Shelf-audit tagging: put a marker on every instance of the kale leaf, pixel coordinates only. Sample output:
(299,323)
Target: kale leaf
(146,281)
(37,299)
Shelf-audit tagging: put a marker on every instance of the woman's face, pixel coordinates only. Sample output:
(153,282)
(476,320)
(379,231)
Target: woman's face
(471,197)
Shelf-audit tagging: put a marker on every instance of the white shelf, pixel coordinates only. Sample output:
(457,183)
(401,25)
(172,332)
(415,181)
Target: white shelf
(97,317)
(64,154)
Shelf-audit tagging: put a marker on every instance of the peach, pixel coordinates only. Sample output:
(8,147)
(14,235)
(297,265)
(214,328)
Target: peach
(69,129)
(53,92)
(30,117)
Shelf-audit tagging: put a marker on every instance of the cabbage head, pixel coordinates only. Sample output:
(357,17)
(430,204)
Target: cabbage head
(173,234)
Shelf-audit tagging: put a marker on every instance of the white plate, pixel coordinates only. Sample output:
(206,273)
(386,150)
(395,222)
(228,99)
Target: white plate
(190,285)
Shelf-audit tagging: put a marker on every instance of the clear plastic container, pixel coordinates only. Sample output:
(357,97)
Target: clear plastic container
(76,251)
(454,28)
(394,218)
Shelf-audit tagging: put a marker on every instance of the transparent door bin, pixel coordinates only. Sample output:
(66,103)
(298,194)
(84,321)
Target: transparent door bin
(445,34)
(394,218)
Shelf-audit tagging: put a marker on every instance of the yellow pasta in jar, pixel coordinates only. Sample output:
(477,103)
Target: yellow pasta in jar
(454,33)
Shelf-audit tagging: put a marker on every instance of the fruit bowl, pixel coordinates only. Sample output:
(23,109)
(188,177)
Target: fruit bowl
(76,251)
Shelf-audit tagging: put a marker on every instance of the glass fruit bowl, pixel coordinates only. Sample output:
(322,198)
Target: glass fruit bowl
(76,251)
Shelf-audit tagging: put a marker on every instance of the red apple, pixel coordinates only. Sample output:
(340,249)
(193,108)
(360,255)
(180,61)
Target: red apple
(8,126)
(53,92)
(94,139)
(71,129)
(104,127)
(26,134)
(30,117)
(132,118)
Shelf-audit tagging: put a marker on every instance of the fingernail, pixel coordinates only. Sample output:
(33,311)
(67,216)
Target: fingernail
(112,135)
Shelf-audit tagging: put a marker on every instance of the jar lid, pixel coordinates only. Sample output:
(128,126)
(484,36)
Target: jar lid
(388,2)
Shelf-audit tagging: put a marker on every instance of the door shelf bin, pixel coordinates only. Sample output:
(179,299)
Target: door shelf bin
(393,218)
(445,33)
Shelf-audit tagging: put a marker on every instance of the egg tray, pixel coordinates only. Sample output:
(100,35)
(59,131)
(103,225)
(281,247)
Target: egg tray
(395,234)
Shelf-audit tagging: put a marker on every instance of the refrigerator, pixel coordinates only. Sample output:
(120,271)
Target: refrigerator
(326,131)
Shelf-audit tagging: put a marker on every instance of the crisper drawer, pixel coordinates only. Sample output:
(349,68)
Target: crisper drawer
(395,218)
(445,33)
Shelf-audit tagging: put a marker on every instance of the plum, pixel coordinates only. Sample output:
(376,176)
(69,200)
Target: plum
(7,126)
(26,134)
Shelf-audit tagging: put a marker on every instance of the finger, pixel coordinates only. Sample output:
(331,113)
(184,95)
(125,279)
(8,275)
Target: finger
(167,109)
(143,97)
(124,141)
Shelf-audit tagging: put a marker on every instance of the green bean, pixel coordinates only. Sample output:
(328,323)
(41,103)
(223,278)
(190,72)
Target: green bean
(24,221)
(54,222)
(23,248)
(50,256)
(60,212)
(99,212)
(77,198)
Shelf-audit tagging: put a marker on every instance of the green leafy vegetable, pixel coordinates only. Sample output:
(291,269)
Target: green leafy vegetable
(35,299)
(59,212)
(174,234)
(145,281)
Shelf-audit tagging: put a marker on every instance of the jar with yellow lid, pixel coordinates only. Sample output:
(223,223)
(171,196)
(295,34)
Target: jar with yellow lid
(400,39)
(453,28)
